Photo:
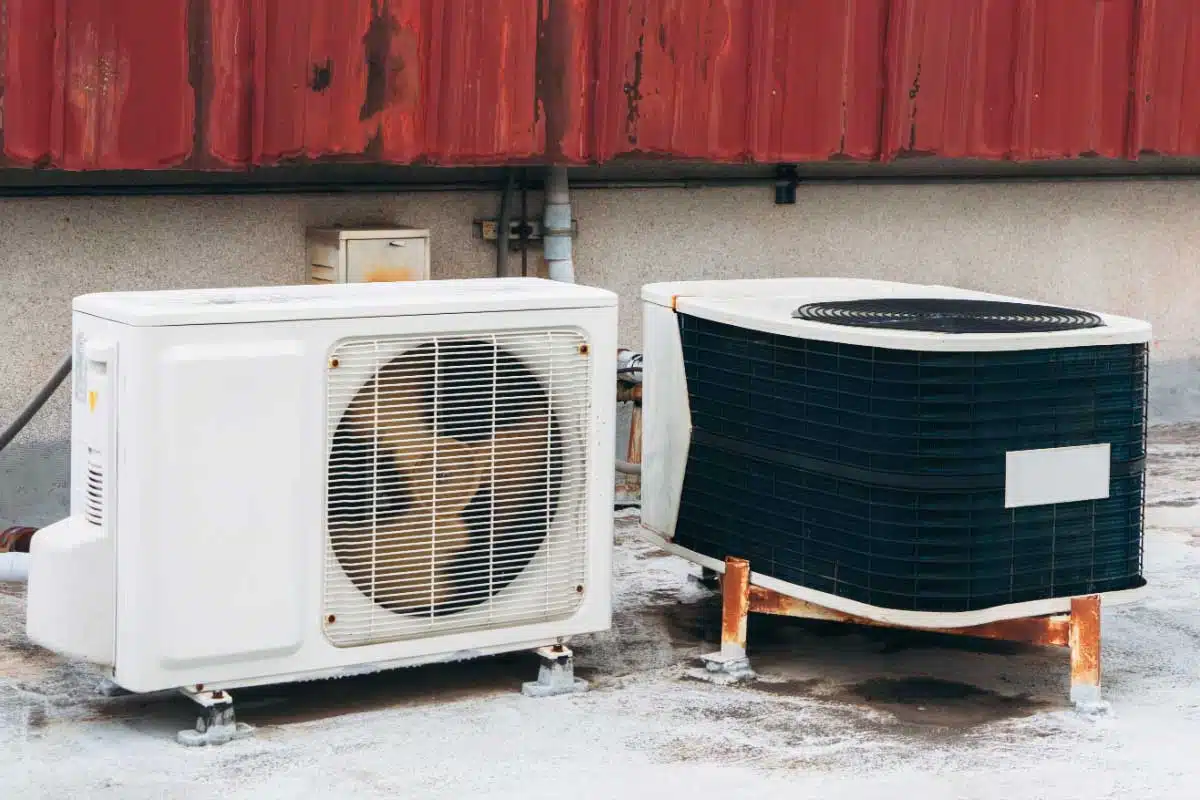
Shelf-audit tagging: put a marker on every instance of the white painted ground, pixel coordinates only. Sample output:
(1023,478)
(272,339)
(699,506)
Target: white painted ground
(840,713)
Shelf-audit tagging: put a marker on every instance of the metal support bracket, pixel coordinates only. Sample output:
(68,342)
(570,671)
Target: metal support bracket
(216,723)
(730,664)
(786,180)
(107,688)
(1084,641)
(556,674)
(489,230)
(1079,631)
(708,578)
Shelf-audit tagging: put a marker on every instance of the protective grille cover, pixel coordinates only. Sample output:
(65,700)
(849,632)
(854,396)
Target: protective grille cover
(948,315)
(456,483)
(878,475)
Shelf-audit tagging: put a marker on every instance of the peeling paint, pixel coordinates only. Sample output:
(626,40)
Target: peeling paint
(633,90)
(383,67)
(322,76)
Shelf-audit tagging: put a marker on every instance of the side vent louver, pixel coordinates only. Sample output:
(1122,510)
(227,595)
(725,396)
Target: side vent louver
(94,504)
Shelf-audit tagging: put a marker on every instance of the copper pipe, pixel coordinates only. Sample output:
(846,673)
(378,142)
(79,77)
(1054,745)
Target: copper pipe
(16,539)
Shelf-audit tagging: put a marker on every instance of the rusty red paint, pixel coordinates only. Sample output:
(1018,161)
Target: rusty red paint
(392,80)
(1017,79)
(1166,67)
(104,83)
(226,84)
(738,81)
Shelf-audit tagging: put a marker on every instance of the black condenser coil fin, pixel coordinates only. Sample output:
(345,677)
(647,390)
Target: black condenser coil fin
(878,475)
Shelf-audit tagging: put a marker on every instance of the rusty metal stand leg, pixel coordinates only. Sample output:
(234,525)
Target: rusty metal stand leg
(730,664)
(1084,641)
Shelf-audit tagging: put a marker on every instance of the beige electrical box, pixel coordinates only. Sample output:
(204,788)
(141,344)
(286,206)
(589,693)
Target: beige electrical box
(366,255)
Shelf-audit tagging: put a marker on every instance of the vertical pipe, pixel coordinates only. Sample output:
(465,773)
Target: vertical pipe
(556,224)
(524,223)
(504,225)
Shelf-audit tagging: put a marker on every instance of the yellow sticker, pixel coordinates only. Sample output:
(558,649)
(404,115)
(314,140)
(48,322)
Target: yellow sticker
(92,400)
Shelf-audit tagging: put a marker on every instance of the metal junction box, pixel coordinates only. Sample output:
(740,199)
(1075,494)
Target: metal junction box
(367,255)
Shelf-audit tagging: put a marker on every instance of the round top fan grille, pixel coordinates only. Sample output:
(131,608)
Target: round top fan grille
(945,315)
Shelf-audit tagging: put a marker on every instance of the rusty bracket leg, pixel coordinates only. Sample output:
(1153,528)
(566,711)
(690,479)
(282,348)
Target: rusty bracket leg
(1084,641)
(730,664)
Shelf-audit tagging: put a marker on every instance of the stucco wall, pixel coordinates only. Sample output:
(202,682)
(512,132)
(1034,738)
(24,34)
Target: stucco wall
(1128,247)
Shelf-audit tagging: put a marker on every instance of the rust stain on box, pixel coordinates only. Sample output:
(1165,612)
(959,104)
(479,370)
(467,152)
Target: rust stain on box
(386,274)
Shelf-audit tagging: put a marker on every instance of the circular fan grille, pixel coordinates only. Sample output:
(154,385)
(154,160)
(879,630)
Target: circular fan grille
(943,315)
(445,474)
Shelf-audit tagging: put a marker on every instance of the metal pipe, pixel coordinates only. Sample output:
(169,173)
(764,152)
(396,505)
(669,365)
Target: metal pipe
(626,468)
(629,366)
(311,187)
(504,226)
(17,539)
(36,402)
(14,567)
(556,226)
(524,223)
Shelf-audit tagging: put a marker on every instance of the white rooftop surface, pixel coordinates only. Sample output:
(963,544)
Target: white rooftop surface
(325,301)
(767,305)
(840,713)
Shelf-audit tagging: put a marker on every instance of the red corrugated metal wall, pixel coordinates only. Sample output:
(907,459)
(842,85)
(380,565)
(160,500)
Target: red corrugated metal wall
(220,84)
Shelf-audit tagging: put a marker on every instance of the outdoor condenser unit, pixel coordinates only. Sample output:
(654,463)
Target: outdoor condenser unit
(916,455)
(315,481)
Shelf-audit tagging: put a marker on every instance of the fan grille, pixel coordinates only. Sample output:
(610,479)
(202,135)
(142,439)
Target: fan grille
(943,315)
(456,483)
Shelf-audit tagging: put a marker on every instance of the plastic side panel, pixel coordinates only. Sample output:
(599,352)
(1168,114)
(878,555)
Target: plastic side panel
(70,598)
(233,560)
(667,423)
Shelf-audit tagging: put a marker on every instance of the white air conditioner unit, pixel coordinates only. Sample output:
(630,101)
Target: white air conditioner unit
(316,481)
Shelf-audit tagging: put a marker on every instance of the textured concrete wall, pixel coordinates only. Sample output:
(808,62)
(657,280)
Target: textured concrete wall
(1128,247)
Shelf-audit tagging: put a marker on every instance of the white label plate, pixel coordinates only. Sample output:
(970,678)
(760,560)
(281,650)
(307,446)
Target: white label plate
(1056,475)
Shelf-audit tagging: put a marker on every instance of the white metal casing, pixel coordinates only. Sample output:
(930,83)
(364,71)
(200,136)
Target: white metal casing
(209,565)
(767,305)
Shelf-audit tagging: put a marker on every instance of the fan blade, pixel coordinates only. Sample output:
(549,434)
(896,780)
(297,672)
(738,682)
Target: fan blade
(526,470)
(406,566)
(458,469)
